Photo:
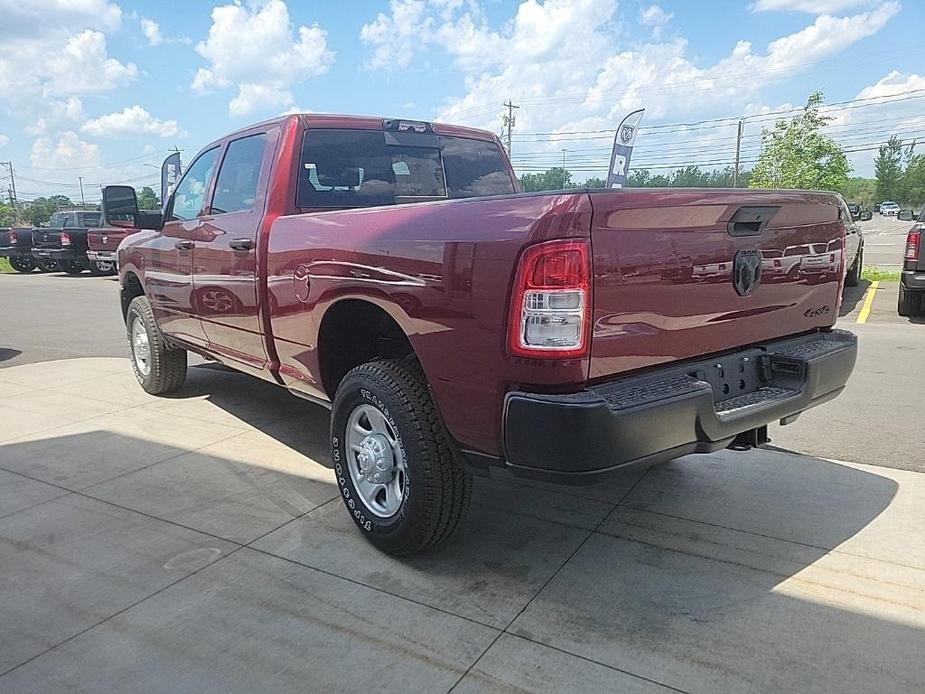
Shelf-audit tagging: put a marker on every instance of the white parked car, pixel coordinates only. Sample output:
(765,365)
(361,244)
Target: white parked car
(889,209)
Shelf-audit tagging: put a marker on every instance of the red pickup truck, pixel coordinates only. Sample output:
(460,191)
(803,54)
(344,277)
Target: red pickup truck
(391,271)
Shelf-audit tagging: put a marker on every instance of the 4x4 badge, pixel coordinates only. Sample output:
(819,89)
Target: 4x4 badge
(746,272)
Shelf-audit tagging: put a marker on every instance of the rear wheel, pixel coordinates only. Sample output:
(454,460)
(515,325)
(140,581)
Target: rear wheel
(22,263)
(48,265)
(71,267)
(397,474)
(158,367)
(854,274)
(100,268)
(910,303)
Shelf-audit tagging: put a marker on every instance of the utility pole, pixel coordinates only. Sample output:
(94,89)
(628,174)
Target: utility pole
(735,171)
(508,121)
(13,201)
(563,158)
(83,202)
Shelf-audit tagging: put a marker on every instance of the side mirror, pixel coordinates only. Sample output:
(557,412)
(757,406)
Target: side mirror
(120,209)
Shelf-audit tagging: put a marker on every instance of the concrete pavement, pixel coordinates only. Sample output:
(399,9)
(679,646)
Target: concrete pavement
(195,543)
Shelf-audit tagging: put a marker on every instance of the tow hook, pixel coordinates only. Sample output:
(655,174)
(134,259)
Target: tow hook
(750,439)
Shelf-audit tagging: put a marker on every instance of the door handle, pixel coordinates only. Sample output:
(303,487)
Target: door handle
(184,245)
(241,244)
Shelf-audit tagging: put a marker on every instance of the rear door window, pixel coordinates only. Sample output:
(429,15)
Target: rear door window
(236,185)
(364,168)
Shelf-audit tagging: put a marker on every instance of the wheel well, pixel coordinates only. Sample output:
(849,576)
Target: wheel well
(131,287)
(354,332)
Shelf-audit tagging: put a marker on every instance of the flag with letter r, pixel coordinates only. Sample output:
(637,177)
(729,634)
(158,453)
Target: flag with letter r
(623,141)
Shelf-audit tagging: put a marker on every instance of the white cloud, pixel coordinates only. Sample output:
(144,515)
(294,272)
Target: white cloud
(655,18)
(4,139)
(152,31)
(132,120)
(56,48)
(26,20)
(894,84)
(267,63)
(82,66)
(69,151)
(56,113)
(254,97)
(564,84)
(810,6)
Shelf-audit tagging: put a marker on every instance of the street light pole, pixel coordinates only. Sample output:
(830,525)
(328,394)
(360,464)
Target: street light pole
(83,202)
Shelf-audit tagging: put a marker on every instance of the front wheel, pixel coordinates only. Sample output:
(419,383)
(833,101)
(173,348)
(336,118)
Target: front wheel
(22,263)
(158,367)
(396,472)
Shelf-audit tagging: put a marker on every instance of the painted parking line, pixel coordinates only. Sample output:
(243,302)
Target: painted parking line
(868,301)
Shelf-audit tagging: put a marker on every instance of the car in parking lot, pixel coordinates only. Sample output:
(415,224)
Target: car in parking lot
(391,271)
(912,278)
(16,246)
(64,240)
(889,209)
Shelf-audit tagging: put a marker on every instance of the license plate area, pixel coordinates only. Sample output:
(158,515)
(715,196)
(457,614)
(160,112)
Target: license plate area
(735,375)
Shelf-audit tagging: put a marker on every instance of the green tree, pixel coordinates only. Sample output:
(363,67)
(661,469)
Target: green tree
(7,215)
(860,190)
(148,199)
(556,178)
(595,182)
(888,167)
(797,154)
(913,185)
(40,210)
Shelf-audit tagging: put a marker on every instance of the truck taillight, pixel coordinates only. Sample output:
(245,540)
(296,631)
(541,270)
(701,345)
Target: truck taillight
(65,239)
(13,238)
(912,244)
(551,301)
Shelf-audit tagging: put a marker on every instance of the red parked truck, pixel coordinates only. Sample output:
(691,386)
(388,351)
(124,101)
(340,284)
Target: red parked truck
(102,245)
(391,271)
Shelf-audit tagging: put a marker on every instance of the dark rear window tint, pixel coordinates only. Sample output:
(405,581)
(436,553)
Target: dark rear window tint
(363,168)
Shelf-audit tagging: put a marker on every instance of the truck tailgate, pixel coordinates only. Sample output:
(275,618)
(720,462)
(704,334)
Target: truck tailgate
(666,264)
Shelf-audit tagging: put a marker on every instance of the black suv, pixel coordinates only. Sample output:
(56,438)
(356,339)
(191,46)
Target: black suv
(912,279)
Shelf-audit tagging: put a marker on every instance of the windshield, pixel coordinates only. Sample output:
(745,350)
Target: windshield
(364,168)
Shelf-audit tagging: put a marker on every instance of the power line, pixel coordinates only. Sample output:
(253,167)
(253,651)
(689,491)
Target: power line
(908,95)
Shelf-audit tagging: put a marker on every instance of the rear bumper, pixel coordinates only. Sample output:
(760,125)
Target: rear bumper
(913,280)
(10,252)
(101,256)
(60,254)
(641,420)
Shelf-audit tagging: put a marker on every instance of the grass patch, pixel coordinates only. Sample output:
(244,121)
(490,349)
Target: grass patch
(876,274)
(5,265)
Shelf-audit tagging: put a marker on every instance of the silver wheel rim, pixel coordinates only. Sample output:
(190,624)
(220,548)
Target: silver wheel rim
(141,347)
(104,266)
(376,461)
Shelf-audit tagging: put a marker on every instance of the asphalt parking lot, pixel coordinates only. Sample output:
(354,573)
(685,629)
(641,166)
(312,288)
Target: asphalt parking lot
(193,543)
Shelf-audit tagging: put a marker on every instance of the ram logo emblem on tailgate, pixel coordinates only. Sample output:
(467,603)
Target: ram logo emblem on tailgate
(746,272)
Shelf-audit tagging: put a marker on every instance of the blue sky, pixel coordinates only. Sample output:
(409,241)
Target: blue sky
(128,80)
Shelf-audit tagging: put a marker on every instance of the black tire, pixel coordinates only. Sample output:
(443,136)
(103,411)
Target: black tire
(438,488)
(47,265)
(102,269)
(166,364)
(853,278)
(22,263)
(71,267)
(910,303)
